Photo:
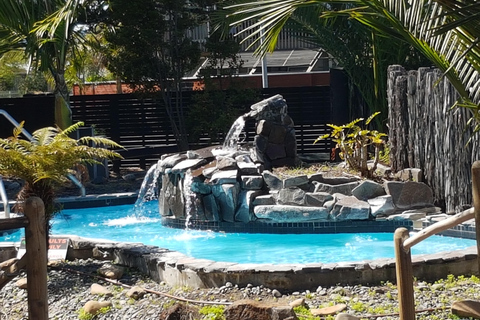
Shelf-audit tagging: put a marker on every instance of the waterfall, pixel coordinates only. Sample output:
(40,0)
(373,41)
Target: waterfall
(233,135)
(148,190)
(188,195)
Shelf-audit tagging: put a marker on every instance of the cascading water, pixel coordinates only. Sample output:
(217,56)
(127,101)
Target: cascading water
(148,190)
(233,135)
(188,196)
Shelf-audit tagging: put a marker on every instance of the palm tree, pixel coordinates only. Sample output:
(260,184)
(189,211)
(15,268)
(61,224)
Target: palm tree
(45,161)
(446,32)
(33,27)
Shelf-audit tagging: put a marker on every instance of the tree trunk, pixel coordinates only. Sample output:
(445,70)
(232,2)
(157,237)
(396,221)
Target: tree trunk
(63,114)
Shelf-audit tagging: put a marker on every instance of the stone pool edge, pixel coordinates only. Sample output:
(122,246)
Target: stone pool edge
(177,269)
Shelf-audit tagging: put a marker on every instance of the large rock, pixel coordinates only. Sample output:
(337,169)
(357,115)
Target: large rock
(187,164)
(409,195)
(211,209)
(226,196)
(251,309)
(345,188)
(381,206)
(224,177)
(245,207)
(273,182)
(295,181)
(92,307)
(466,309)
(317,199)
(367,190)
(281,213)
(111,271)
(252,182)
(171,197)
(291,196)
(350,208)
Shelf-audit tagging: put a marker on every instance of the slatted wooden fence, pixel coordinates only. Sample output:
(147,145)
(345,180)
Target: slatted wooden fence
(143,128)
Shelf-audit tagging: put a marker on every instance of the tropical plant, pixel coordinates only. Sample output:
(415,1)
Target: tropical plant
(359,50)
(446,32)
(45,31)
(45,161)
(354,141)
(161,53)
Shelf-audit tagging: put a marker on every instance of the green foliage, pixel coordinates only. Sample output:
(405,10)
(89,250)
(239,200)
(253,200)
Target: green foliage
(225,96)
(161,54)
(354,141)
(213,112)
(48,158)
(213,312)
(304,313)
(83,315)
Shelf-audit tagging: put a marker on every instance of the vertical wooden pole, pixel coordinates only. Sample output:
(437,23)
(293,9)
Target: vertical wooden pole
(36,251)
(403,262)
(476,204)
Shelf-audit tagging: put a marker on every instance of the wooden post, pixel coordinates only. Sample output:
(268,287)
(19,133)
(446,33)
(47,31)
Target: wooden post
(476,203)
(36,251)
(403,262)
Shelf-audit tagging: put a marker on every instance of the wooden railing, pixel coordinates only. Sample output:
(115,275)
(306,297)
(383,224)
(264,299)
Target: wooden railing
(35,258)
(403,243)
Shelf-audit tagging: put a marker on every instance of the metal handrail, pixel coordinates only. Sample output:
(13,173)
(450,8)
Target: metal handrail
(3,196)
(29,137)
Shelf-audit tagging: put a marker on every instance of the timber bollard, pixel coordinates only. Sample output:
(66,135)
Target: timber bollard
(36,251)
(404,272)
(476,203)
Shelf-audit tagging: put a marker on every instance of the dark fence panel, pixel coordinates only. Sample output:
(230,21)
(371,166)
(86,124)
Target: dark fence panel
(143,128)
(36,111)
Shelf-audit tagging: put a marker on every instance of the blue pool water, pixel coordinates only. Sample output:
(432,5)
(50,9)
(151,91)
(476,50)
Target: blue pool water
(124,223)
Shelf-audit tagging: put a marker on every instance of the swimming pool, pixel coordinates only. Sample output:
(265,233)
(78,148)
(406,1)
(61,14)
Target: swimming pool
(126,223)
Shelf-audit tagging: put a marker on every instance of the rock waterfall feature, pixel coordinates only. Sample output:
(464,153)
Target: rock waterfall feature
(234,185)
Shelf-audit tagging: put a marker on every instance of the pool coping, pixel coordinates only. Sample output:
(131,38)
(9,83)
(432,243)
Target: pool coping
(177,269)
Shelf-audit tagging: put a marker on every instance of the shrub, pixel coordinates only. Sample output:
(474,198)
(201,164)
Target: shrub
(354,141)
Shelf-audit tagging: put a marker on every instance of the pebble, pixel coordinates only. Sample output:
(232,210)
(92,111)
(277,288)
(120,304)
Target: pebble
(69,292)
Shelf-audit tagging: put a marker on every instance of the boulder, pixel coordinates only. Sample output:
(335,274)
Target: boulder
(281,213)
(410,174)
(367,190)
(409,195)
(381,206)
(136,292)
(252,182)
(466,309)
(188,164)
(291,196)
(295,181)
(329,310)
(226,196)
(266,199)
(97,289)
(273,182)
(111,271)
(350,208)
(251,309)
(226,163)
(345,188)
(245,208)
(211,209)
(317,199)
(224,177)
(92,307)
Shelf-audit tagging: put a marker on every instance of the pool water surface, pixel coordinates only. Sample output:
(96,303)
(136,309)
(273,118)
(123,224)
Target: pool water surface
(128,223)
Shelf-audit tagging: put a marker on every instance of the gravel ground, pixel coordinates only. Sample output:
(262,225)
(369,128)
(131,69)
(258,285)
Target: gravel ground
(69,286)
